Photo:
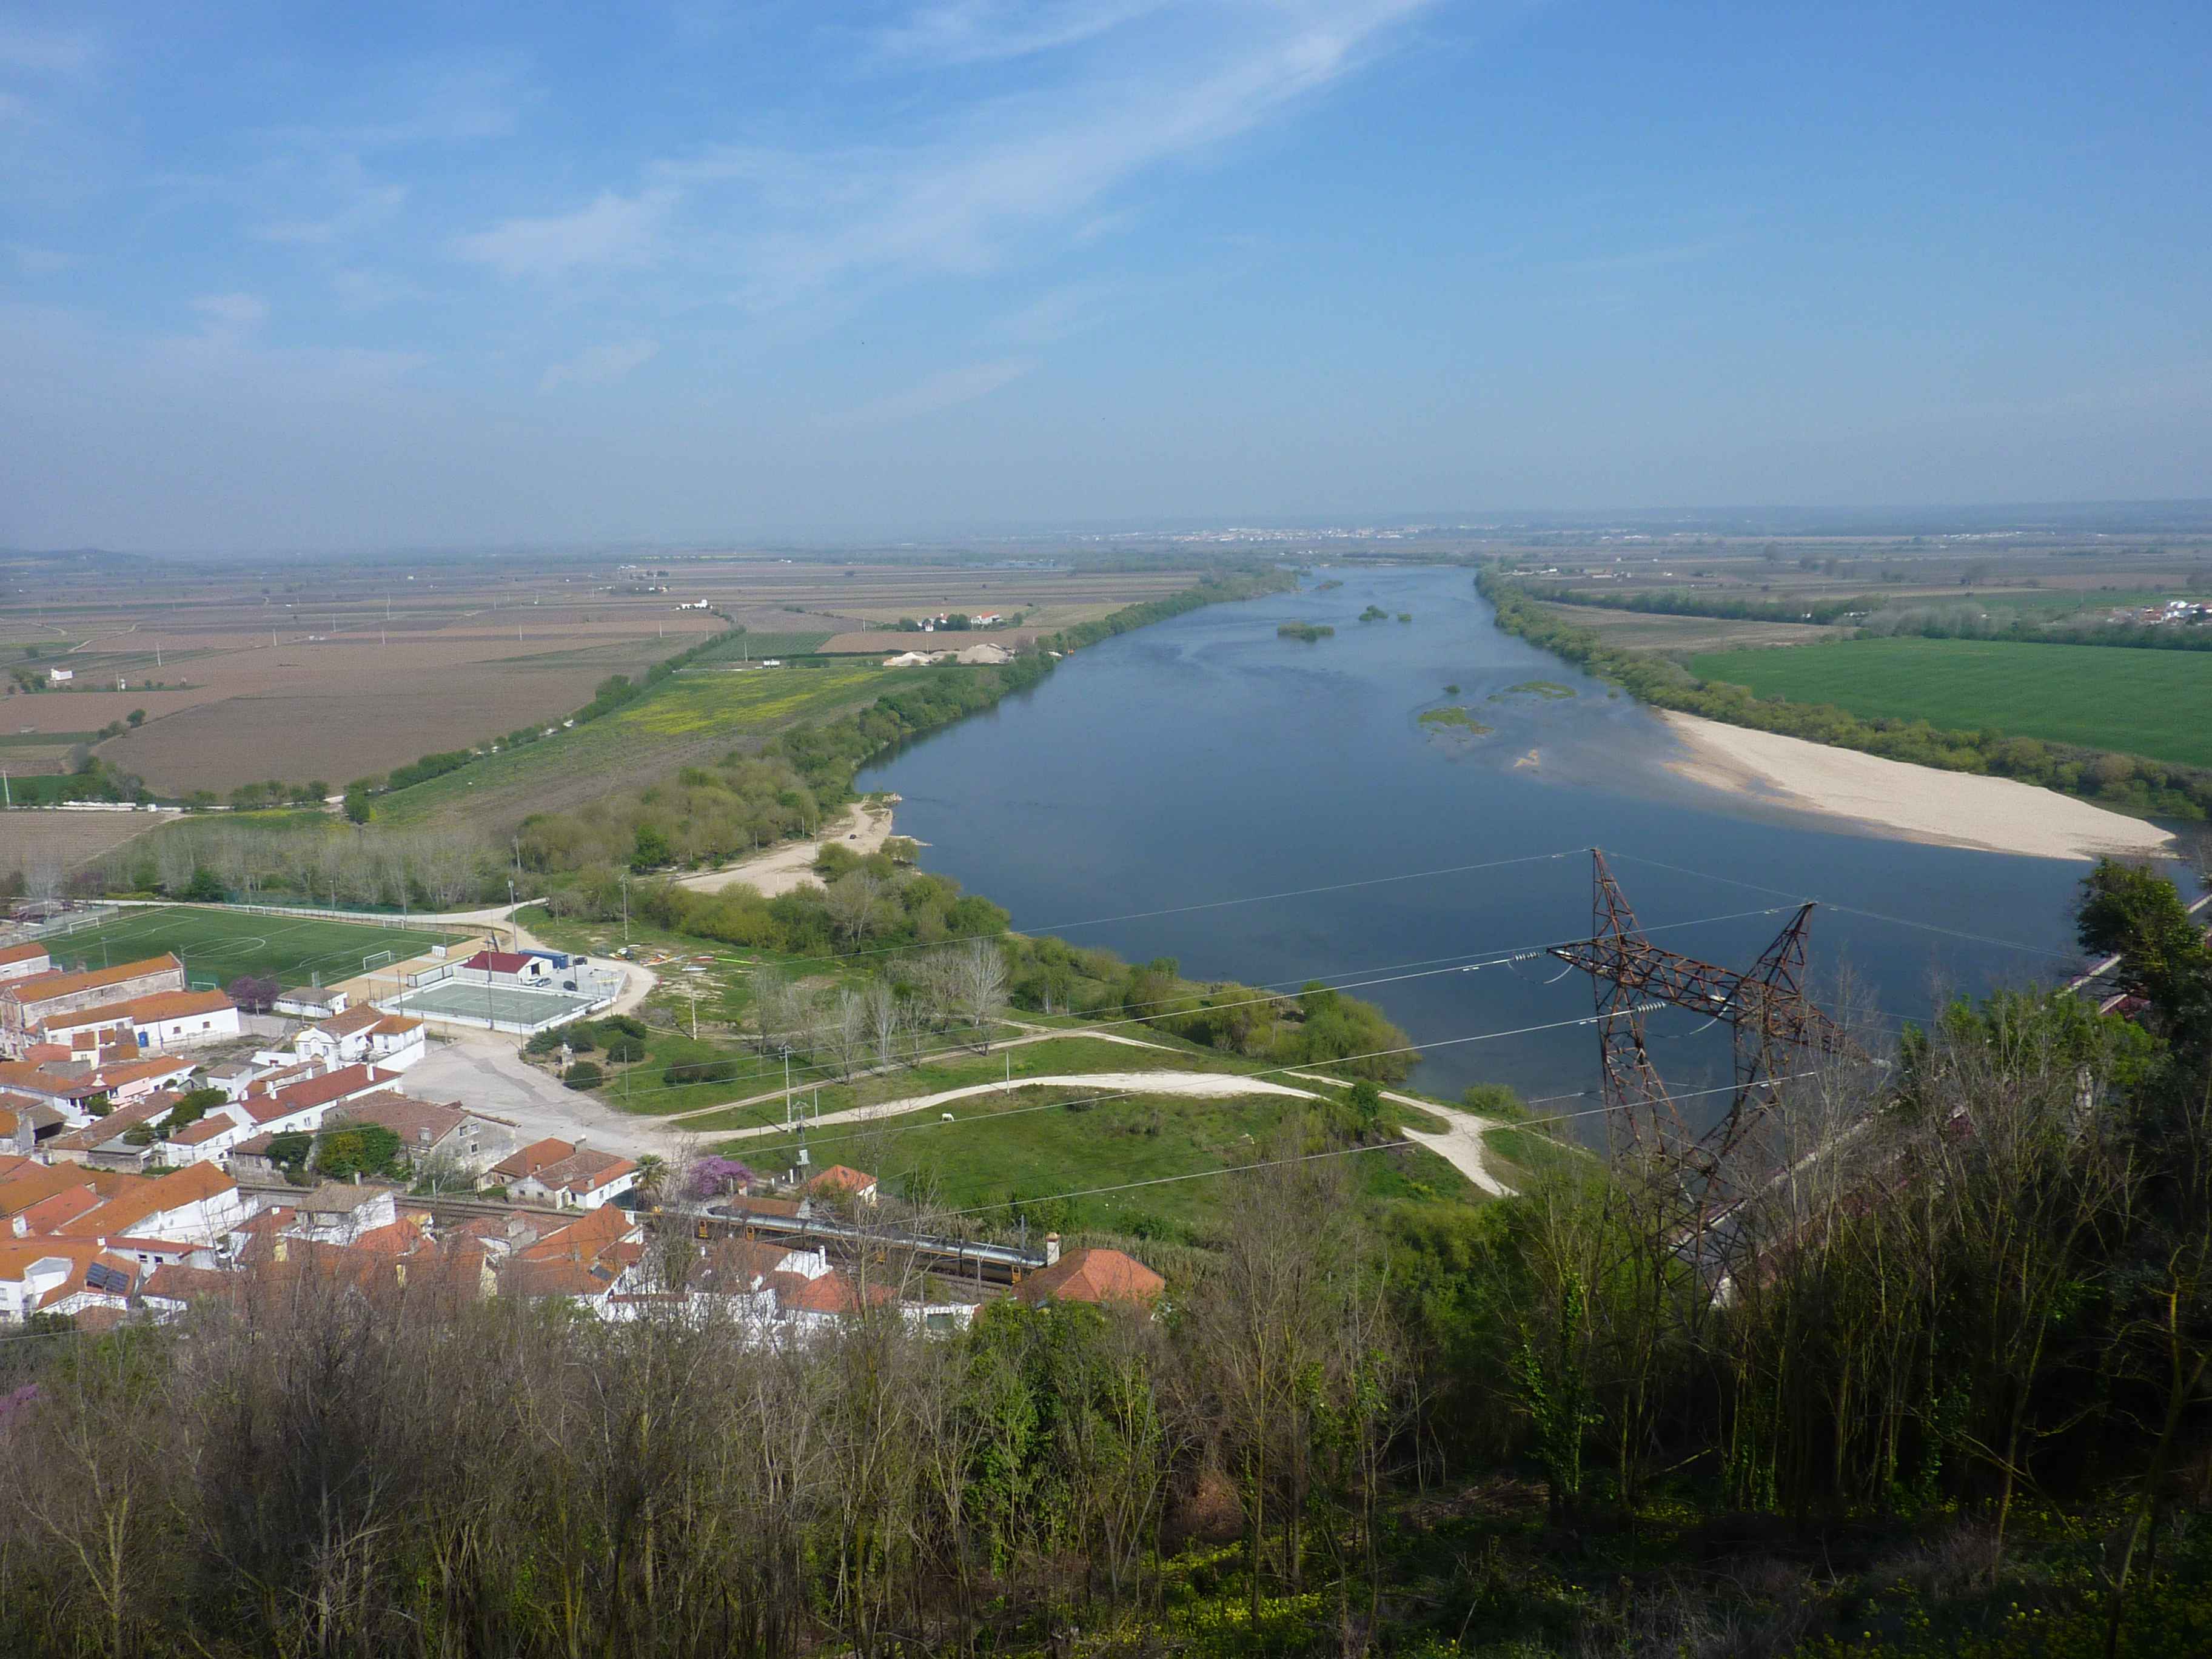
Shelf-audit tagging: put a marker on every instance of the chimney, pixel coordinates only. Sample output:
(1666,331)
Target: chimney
(1051,1248)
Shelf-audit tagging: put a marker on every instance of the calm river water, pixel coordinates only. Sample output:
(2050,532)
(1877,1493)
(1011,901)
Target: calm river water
(1185,790)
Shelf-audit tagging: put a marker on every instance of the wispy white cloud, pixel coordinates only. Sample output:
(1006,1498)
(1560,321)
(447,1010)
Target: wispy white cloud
(1034,162)
(1055,315)
(38,261)
(35,51)
(600,365)
(231,314)
(614,230)
(938,393)
(368,206)
(371,290)
(991,31)
(1651,259)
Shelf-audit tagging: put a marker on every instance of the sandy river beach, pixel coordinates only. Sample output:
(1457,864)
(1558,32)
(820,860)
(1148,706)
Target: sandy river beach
(1948,809)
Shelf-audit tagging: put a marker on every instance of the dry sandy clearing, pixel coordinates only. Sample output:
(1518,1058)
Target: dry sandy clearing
(863,828)
(1915,802)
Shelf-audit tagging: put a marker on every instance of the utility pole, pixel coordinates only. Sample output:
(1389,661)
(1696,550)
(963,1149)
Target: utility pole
(4,790)
(625,891)
(1703,1176)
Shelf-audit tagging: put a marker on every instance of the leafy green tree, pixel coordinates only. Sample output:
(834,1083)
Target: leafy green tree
(2129,911)
(357,802)
(651,848)
(363,1149)
(204,888)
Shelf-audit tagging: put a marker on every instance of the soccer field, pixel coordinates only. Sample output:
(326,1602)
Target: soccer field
(2156,703)
(218,946)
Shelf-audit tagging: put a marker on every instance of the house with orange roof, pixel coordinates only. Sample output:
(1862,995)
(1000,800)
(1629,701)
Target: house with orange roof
(101,1140)
(197,1205)
(841,1181)
(447,1136)
(393,1041)
(566,1174)
(25,1003)
(24,962)
(1103,1278)
(61,1276)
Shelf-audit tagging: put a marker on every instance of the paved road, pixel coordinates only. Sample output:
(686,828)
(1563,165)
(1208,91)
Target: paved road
(488,1073)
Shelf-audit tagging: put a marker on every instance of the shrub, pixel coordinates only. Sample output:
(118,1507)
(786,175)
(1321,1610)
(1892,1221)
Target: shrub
(700,1071)
(584,1075)
(623,1050)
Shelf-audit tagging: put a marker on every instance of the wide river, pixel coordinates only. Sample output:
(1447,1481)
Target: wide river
(1275,812)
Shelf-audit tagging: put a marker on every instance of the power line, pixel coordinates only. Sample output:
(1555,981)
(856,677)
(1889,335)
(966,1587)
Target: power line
(764,1132)
(1195,1174)
(1852,910)
(1056,928)
(1455,965)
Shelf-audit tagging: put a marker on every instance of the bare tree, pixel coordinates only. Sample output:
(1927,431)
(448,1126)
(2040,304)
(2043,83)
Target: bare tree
(854,902)
(979,978)
(886,1018)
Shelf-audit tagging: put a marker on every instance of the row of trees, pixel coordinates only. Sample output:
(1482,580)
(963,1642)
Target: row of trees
(378,867)
(1882,618)
(2128,782)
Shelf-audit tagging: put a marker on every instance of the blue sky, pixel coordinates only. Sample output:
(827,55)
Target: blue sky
(283,275)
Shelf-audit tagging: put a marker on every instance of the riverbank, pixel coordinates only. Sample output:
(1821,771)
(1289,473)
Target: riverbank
(862,828)
(1914,803)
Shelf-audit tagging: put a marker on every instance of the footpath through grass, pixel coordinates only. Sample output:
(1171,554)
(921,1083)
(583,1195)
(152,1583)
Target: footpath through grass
(218,946)
(2156,703)
(1040,1143)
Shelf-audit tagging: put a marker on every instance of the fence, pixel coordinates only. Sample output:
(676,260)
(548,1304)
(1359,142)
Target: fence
(61,925)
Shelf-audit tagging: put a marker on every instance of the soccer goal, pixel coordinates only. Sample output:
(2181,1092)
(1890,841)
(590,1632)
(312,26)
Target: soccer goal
(377,959)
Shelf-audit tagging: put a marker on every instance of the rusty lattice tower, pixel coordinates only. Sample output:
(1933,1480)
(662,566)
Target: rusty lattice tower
(1774,1023)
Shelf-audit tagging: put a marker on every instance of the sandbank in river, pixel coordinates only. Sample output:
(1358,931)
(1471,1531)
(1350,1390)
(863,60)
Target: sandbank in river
(1917,803)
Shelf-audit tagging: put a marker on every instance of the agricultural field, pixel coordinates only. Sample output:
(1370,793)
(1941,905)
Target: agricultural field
(695,715)
(1641,631)
(2156,703)
(55,843)
(216,947)
(251,670)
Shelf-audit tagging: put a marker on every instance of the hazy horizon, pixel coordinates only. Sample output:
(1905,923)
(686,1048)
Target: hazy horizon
(966,268)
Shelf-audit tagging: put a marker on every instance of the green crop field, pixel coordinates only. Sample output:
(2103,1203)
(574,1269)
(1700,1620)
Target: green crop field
(219,945)
(686,718)
(2156,703)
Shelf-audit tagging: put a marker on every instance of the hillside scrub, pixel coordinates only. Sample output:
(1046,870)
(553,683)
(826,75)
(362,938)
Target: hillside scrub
(2126,782)
(1952,1398)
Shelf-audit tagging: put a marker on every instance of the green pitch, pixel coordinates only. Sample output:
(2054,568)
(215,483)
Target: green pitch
(219,945)
(2156,703)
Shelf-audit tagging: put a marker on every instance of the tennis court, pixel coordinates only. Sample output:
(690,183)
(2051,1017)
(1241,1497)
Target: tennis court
(504,1007)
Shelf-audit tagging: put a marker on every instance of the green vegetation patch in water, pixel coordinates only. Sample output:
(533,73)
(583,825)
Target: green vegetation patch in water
(1456,719)
(1549,690)
(1306,631)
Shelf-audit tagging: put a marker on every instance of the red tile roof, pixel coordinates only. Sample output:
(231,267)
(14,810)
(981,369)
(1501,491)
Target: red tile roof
(498,962)
(532,1158)
(1095,1275)
(48,988)
(842,1178)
